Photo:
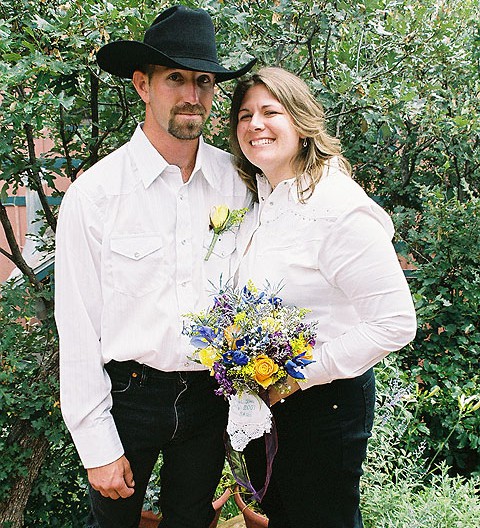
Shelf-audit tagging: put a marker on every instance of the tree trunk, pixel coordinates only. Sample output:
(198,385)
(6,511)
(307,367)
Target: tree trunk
(22,434)
(11,510)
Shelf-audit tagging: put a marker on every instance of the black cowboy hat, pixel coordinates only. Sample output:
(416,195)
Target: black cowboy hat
(179,37)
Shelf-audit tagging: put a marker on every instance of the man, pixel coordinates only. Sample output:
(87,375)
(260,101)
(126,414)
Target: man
(131,242)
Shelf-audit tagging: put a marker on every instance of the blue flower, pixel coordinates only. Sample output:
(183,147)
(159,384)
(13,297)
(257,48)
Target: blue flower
(293,370)
(204,336)
(250,298)
(242,341)
(301,361)
(239,358)
(276,302)
(293,366)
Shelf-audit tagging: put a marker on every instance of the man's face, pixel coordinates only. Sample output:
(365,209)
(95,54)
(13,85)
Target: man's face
(179,101)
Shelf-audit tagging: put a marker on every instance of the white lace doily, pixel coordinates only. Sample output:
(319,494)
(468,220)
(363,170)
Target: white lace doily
(248,418)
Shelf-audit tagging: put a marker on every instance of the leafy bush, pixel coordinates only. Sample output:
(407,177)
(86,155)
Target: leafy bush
(444,240)
(24,397)
(59,497)
(29,401)
(400,488)
(446,502)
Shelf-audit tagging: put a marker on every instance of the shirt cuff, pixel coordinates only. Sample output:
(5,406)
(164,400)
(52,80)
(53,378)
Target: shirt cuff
(98,446)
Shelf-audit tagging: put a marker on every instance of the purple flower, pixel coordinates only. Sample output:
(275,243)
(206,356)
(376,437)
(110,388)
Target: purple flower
(250,298)
(225,385)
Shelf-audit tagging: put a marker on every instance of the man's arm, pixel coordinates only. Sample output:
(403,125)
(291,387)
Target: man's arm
(84,384)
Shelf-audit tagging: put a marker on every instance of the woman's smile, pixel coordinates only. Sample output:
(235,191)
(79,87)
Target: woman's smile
(266,134)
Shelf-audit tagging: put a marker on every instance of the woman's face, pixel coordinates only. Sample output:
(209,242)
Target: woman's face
(266,134)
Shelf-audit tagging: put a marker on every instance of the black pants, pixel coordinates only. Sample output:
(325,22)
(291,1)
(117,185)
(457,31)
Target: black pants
(178,414)
(322,442)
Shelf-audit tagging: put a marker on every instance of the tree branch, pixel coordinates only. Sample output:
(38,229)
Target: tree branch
(94,113)
(16,255)
(101,138)
(63,136)
(34,176)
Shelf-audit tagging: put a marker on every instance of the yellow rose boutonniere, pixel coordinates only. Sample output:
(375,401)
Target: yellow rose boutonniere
(222,219)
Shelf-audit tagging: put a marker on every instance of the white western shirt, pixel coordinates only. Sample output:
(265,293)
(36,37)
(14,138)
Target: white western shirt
(130,248)
(334,255)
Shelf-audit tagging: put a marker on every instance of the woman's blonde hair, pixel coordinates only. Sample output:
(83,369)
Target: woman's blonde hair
(308,120)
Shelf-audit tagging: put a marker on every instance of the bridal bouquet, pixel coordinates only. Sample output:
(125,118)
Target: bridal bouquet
(250,341)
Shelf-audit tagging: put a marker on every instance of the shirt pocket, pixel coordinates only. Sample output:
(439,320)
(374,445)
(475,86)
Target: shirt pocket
(218,268)
(224,246)
(137,263)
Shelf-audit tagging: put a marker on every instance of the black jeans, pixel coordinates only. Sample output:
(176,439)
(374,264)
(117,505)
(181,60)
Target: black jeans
(322,442)
(178,414)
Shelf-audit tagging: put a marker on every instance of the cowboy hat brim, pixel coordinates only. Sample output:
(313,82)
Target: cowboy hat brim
(123,57)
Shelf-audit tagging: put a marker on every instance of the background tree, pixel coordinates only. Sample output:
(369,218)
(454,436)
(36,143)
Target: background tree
(399,80)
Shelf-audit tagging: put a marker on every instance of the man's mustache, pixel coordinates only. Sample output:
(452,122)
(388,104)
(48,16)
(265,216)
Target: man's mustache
(188,108)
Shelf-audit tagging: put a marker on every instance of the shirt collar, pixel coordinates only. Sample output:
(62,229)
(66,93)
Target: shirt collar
(202,165)
(153,164)
(286,188)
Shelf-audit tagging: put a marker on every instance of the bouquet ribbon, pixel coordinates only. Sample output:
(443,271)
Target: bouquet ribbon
(249,418)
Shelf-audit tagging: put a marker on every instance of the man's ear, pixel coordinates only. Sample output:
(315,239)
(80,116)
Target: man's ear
(141,82)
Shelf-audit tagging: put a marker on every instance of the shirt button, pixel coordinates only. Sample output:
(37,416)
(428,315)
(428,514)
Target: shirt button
(186,364)
(136,254)
(270,203)
(183,242)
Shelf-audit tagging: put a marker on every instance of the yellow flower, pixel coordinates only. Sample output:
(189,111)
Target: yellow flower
(299,345)
(222,219)
(308,352)
(232,333)
(240,316)
(265,368)
(251,286)
(207,356)
(271,324)
(218,217)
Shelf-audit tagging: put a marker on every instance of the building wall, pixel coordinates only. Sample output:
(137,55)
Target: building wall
(16,211)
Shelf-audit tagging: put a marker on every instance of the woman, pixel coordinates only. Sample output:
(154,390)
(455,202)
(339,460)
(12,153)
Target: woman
(316,231)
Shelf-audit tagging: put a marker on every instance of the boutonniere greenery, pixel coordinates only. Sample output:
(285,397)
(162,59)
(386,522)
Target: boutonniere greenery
(221,220)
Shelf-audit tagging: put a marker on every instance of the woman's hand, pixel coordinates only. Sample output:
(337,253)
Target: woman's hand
(278,393)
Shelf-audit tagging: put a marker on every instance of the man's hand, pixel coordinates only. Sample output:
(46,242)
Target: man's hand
(114,480)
